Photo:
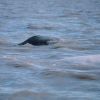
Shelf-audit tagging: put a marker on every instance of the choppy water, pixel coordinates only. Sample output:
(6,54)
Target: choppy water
(68,70)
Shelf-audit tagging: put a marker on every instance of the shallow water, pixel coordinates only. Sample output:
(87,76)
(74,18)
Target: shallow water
(67,70)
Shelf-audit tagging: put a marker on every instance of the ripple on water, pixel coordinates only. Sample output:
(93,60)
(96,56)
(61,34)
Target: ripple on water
(78,74)
(29,95)
(40,27)
(4,41)
(43,73)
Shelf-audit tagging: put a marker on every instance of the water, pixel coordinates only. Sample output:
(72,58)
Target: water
(68,70)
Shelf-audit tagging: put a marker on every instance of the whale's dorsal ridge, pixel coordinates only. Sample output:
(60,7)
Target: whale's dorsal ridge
(37,40)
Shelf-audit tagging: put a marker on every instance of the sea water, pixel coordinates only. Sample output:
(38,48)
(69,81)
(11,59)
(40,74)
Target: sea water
(68,70)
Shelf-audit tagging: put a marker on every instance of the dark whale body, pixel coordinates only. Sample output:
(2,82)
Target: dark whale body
(37,40)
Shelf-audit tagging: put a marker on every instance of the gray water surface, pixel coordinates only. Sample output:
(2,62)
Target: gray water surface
(67,70)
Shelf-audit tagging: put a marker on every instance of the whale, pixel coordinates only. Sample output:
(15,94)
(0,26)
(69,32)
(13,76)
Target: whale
(38,40)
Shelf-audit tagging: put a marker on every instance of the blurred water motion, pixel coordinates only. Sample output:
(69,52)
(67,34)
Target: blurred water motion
(66,70)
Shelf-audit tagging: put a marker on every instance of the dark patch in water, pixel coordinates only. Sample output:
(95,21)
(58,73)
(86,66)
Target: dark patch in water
(20,64)
(59,74)
(84,76)
(4,96)
(40,27)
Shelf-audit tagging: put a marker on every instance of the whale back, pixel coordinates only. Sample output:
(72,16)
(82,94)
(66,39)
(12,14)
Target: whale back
(37,40)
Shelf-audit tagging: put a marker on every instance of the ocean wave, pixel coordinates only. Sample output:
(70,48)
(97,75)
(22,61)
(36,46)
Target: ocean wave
(88,59)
